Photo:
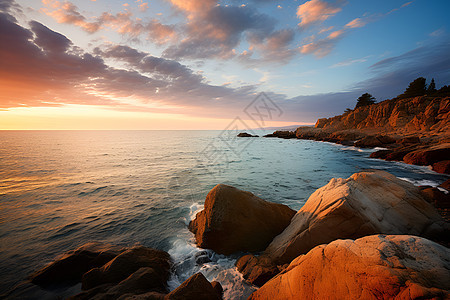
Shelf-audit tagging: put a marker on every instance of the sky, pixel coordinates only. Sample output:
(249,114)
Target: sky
(210,64)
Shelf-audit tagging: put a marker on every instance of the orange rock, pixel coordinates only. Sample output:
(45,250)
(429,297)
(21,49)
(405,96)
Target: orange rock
(428,156)
(235,220)
(195,287)
(372,267)
(442,167)
(367,203)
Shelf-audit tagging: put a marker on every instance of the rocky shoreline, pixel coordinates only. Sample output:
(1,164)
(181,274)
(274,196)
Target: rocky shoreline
(413,130)
(371,235)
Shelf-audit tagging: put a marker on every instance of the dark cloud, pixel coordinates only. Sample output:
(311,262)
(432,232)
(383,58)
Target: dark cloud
(218,31)
(48,39)
(9,5)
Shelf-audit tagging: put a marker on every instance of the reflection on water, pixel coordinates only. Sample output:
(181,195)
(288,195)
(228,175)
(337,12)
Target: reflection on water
(60,189)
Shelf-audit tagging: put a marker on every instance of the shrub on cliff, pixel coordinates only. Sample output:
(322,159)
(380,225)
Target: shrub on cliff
(416,88)
(364,100)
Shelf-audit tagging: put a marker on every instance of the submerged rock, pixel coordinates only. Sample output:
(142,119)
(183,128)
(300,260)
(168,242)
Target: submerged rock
(245,134)
(71,266)
(372,267)
(235,220)
(367,203)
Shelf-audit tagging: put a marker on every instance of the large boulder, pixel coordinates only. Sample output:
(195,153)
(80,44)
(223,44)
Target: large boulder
(71,266)
(372,267)
(127,263)
(369,202)
(235,220)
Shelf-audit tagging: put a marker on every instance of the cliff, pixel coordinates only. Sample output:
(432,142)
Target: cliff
(423,116)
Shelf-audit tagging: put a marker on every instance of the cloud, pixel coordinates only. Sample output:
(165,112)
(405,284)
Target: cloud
(143,7)
(41,67)
(322,47)
(218,31)
(194,6)
(325,29)
(348,62)
(356,23)
(315,11)
(122,22)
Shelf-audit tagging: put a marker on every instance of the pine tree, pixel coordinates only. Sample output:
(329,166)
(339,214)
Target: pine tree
(431,87)
(365,99)
(416,88)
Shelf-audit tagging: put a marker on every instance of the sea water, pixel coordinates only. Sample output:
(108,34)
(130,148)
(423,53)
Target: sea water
(61,189)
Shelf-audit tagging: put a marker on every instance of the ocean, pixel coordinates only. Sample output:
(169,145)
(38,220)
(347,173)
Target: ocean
(61,189)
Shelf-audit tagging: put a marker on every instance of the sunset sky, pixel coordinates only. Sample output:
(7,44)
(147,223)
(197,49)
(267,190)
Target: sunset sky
(197,64)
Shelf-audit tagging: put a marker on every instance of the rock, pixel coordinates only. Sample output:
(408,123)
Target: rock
(195,287)
(145,296)
(70,267)
(436,197)
(381,154)
(445,185)
(202,257)
(442,167)
(235,220)
(256,270)
(245,134)
(283,134)
(372,267)
(142,281)
(368,142)
(385,139)
(128,262)
(217,287)
(428,156)
(409,140)
(374,141)
(367,203)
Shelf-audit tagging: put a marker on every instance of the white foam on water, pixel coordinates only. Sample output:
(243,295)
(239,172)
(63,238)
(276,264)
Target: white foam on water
(353,148)
(442,190)
(379,148)
(189,259)
(194,209)
(419,182)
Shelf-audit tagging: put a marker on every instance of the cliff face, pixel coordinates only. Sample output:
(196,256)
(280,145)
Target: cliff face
(424,115)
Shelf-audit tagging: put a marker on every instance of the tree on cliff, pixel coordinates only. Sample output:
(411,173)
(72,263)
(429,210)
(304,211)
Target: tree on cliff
(416,88)
(431,87)
(364,100)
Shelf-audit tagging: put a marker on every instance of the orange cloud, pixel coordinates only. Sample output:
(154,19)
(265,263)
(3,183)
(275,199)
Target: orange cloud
(315,11)
(122,22)
(335,34)
(66,12)
(356,23)
(194,6)
(324,46)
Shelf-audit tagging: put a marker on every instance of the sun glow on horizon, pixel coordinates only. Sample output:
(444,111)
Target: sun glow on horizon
(83,117)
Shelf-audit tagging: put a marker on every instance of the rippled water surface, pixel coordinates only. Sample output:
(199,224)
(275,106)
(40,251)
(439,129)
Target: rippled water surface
(61,189)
